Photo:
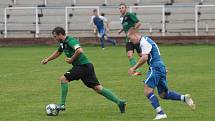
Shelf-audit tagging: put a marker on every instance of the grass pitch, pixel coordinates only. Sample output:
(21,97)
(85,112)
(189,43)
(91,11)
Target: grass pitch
(26,86)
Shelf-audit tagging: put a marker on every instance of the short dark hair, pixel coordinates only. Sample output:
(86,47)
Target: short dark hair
(102,14)
(95,10)
(58,31)
(123,4)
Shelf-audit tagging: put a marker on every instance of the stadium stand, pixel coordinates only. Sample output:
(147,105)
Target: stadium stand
(179,16)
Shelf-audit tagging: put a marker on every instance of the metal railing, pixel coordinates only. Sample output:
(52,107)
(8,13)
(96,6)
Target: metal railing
(21,8)
(78,7)
(162,14)
(37,31)
(197,18)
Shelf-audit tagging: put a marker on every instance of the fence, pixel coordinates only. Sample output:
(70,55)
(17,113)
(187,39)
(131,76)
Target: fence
(162,16)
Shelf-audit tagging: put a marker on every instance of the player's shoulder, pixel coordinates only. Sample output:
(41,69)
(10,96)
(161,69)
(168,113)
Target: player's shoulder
(130,14)
(92,16)
(144,40)
(71,39)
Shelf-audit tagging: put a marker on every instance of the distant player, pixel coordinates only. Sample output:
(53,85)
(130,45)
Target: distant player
(99,23)
(82,68)
(129,20)
(156,76)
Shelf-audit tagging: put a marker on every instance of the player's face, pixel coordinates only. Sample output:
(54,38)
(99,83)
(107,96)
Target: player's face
(95,13)
(133,37)
(56,37)
(122,9)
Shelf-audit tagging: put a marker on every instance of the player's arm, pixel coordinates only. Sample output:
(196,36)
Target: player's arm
(143,59)
(106,23)
(53,56)
(78,51)
(137,25)
(107,26)
(146,49)
(136,20)
(93,25)
(120,31)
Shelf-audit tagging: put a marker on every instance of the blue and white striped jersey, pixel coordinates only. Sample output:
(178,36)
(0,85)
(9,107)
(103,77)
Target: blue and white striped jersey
(148,46)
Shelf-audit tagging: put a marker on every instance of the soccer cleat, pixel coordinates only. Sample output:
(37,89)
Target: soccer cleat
(160,116)
(136,73)
(121,106)
(61,107)
(189,101)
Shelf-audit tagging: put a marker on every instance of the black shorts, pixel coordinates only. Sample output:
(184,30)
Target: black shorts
(130,46)
(84,72)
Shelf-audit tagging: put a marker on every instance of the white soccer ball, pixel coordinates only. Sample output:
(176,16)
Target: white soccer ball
(51,110)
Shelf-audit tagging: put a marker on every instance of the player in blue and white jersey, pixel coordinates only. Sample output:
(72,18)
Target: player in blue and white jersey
(156,76)
(99,23)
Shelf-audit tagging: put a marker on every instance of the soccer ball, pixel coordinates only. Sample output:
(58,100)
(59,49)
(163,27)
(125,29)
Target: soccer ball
(51,110)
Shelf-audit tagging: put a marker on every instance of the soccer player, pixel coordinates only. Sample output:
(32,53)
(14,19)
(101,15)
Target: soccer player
(129,20)
(82,68)
(99,22)
(156,76)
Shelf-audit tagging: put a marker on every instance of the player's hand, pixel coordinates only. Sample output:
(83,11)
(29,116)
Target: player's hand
(107,30)
(131,71)
(44,61)
(119,31)
(94,31)
(68,60)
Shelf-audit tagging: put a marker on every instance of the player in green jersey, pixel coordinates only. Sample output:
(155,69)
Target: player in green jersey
(129,20)
(82,68)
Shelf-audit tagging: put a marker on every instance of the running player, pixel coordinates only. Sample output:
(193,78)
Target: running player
(129,20)
(99,22)
(156,76)
(82,68)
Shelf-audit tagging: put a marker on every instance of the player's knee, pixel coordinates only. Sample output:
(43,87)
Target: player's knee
(162,95)
(98,88)
(146,92)
(63,79)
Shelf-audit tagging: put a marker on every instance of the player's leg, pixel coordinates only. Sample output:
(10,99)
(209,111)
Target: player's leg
(64,91)
(132,61)
(130,52)
(110,96)
(72,74)
(108,39)
(101,36)
(112,41)
(150,83)
(165,93)
(91,81)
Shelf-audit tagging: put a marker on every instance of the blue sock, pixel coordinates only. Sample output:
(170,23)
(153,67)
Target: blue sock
(173,96)
(102,42)
(112,41)
(155,103)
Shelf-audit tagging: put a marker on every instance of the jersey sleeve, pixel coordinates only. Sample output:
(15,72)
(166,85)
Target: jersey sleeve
(145,46)
(103,18)
(74,44)
(134,18)
(91,20)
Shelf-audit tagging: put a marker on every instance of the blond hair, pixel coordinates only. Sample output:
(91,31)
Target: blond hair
(132,30)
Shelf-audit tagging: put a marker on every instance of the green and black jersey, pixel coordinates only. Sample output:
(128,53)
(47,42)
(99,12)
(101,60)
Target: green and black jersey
(69,46)
(128,20)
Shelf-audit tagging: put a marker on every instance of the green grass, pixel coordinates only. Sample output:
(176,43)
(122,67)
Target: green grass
(26,86)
